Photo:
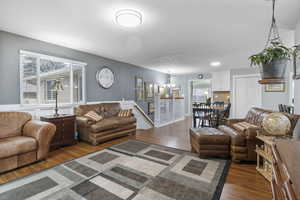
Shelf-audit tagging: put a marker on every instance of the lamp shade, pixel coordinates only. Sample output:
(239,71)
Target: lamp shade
(58,86)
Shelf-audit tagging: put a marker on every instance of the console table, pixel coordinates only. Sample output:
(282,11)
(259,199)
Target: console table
(286,170)
(65,130)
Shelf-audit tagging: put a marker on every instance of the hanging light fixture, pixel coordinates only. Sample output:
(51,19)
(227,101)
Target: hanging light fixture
(274,58)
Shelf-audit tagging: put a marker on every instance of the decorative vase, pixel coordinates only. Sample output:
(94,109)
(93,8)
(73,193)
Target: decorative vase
(275,69)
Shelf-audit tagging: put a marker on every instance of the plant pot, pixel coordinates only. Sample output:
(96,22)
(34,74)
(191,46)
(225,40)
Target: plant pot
(275,69)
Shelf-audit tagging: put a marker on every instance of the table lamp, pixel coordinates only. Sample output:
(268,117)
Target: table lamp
(57,87)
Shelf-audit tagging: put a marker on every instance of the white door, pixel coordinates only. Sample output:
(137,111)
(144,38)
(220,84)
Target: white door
(247,93)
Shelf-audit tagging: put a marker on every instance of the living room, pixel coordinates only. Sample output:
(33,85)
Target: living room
(146,100)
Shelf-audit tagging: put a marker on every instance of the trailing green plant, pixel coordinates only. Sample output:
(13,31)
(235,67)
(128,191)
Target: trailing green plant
(275,52)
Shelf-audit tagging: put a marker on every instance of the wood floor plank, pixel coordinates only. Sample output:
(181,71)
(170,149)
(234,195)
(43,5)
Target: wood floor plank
(242,183)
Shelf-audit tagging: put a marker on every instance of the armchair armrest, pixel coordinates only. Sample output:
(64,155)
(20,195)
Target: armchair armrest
(251,133)
(83,121)
(43,132)
(230,122)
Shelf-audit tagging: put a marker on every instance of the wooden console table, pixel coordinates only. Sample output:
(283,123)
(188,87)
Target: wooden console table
(286,170)
(65,130)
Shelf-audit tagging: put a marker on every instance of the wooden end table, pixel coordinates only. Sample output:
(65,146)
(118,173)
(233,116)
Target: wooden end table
(65,130)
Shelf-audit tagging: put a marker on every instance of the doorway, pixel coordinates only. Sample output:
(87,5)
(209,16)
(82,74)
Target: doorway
(199,92)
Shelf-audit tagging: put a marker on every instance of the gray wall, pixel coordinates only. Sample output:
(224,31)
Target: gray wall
(10,44)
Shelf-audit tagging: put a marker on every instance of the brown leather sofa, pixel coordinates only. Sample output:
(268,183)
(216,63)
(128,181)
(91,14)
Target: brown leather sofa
(22,141)
(108,128)
(243,133)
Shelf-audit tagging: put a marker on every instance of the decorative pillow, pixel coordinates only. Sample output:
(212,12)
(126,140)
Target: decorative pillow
(93,116)
(125,113)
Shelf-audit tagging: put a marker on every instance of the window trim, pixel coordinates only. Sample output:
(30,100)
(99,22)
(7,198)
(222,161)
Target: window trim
(53,58)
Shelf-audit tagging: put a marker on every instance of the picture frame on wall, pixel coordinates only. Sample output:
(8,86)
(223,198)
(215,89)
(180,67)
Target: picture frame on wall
(139,88)
(275,87)
(149,90)
(297,62)
(151,108)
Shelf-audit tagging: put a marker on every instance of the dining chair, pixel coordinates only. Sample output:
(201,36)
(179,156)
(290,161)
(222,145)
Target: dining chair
(224,115)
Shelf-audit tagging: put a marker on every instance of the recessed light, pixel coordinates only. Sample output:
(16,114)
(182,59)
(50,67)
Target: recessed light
(129,18)
(215,64)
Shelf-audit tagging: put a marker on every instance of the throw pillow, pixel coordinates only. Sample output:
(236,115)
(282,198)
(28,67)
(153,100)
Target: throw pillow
(296,132)
(125,113)
(93,116)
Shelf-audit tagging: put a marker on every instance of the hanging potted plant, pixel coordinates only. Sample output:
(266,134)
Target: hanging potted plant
(274,59)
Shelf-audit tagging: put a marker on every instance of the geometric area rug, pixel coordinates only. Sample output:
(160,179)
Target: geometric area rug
(132,170)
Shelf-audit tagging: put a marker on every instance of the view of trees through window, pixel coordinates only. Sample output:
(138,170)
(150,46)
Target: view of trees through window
(38,75)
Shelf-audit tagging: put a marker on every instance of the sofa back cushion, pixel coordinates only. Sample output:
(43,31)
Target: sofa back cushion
(255,116)
(104,109)
(12,123)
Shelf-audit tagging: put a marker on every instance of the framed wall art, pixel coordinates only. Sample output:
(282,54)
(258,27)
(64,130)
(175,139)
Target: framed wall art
(149,90)
(275,87)
(139,89)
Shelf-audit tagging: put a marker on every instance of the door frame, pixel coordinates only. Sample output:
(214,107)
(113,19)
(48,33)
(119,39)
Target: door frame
(190,112)
(234,78)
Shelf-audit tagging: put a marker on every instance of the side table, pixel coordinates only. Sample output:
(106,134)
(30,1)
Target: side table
(65,130)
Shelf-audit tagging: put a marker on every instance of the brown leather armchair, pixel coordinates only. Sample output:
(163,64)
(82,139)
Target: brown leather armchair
(111,126)
(243,133)
(23,141)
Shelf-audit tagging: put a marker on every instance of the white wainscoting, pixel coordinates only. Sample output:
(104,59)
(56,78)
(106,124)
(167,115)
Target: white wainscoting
(41,110)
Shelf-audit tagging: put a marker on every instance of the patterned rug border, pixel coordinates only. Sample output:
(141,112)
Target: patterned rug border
(216,196)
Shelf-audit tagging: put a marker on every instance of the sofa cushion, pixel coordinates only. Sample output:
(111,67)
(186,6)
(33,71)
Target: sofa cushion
(237,138)
(103,125)
(17,145)
(256,115)
(125,120)
(108,110)
(243,126)
(11,123)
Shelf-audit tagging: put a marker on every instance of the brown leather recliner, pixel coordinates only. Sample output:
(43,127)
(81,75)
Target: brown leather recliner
(108,128)
(243,133)
(23,141)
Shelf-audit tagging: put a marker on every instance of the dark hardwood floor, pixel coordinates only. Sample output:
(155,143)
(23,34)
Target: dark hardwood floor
(242,183)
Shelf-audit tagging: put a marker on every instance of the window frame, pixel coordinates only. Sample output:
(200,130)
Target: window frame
(73,64)
(46,92)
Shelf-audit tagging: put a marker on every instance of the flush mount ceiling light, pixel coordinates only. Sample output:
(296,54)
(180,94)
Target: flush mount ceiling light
(129,18)
(215,64)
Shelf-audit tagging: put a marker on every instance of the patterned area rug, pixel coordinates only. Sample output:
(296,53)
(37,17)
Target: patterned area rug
(132,170)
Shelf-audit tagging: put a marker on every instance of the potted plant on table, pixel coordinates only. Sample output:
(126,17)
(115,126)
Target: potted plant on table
(273,60)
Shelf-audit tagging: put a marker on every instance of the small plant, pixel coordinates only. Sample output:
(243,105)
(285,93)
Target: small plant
(273,53)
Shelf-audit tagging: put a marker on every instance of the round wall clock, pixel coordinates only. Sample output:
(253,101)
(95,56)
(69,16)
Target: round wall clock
(105,77)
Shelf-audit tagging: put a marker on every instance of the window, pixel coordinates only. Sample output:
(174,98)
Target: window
(37,76)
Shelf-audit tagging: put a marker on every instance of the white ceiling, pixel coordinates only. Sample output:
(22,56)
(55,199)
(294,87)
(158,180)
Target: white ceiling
(180,36)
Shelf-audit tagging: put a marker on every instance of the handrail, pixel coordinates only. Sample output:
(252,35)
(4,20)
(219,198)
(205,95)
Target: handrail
(144,114)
